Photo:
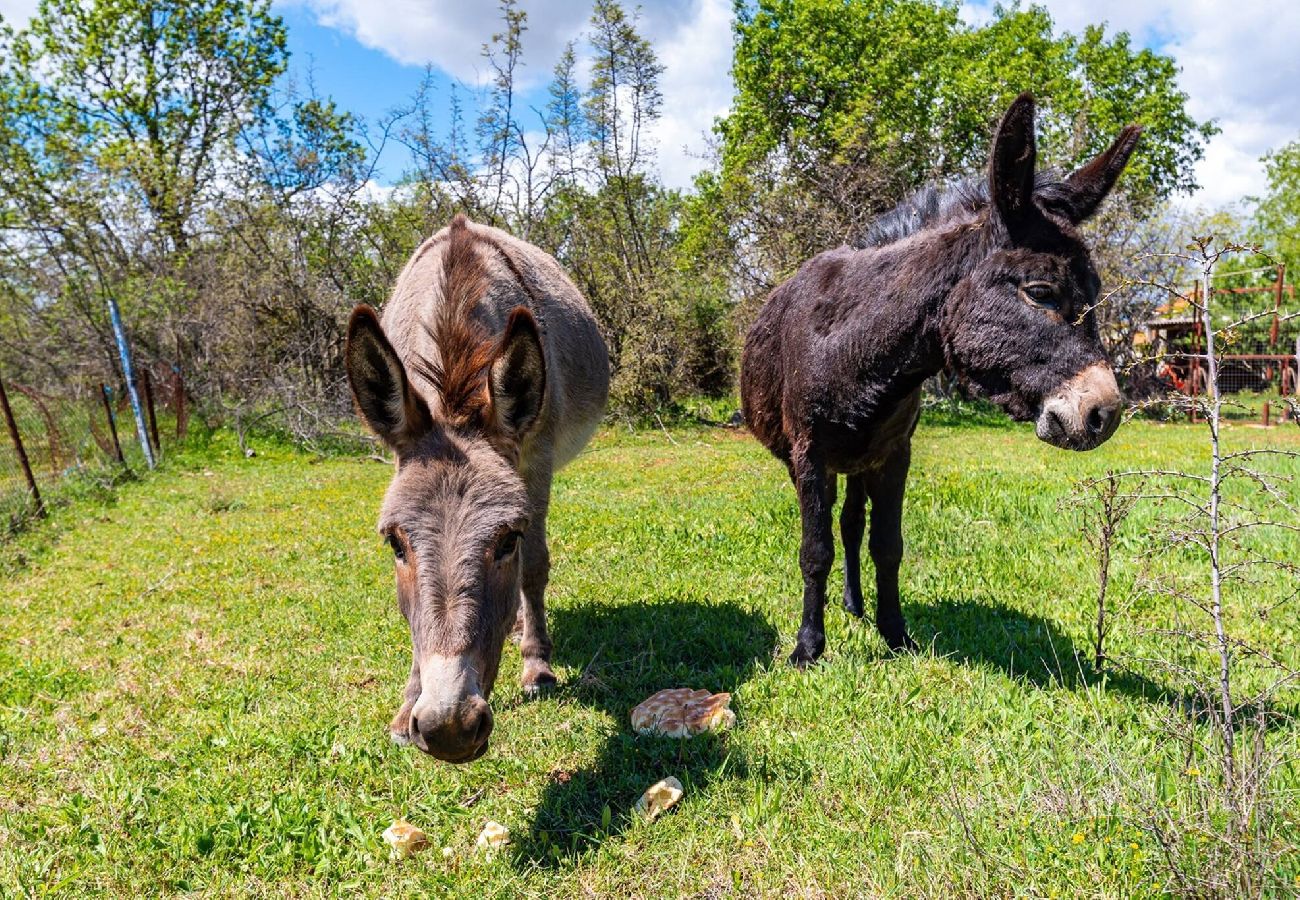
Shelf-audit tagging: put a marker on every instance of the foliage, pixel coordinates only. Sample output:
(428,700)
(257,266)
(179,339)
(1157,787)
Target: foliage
(841,108)
(144,97)
(1277,215)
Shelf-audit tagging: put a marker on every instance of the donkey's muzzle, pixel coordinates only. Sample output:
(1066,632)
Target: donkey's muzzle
(1084,412)
(457,735)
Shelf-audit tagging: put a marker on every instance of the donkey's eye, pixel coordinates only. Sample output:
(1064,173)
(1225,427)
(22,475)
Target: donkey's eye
(1042,293)
(396,543)
(507,545)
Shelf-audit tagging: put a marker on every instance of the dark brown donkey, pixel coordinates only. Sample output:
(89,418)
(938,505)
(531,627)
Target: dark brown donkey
(487,374)
(992,281)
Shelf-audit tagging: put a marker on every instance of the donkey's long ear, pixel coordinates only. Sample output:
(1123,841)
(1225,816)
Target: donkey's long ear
(1011,163)
(517,380)
(1090,184)
(385,398)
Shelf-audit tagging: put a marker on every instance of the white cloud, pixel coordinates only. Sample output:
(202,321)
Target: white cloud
(1239,68)
(450,33)
(696,86)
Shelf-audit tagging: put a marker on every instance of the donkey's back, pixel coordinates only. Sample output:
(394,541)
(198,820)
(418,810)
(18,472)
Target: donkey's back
(515,274)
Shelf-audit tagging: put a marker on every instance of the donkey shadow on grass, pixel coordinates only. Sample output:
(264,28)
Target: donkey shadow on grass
(1032,650)
(1027,648)
(624,654)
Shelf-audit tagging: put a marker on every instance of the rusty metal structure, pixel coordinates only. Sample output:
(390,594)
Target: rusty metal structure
(1270,361)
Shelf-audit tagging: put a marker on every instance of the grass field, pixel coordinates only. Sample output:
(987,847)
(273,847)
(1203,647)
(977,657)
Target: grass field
(196,677)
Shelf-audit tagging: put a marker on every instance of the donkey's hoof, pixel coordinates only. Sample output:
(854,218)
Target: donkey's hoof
(538,678)
(853,604)
(807,650)
(540,688)
(399,729)
(901,642)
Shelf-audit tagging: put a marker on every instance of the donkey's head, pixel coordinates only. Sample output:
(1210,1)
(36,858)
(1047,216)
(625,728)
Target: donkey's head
(454,516)
(1021,325)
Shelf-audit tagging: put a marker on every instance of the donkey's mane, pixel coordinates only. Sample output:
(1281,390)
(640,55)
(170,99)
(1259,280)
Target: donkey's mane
(465,349)
(938,202)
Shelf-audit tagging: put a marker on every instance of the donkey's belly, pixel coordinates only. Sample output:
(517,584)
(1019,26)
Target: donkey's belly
(862,445)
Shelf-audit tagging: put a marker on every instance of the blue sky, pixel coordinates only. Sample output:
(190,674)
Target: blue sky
(364,81)
(1240,65)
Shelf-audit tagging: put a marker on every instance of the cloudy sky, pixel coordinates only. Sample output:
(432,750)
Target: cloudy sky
(1239,63)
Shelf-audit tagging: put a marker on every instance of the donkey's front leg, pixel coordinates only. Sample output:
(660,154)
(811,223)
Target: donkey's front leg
(400,728)
(535,642)
(816,552)
(886,487)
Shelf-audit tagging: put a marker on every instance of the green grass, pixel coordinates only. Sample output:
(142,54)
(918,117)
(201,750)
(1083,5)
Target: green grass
(195,682)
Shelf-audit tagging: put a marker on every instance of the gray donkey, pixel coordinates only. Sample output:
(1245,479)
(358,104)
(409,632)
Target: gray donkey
(487,374)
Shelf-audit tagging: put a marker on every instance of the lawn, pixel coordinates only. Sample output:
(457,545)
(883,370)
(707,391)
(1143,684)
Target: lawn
(196,678)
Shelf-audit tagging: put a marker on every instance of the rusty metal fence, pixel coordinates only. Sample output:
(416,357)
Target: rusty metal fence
(1258,359)
(52,439)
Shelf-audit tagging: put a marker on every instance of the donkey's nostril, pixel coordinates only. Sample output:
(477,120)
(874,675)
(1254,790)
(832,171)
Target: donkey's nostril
(483,725)
(1095,419)
(1054,426)
(1100,418)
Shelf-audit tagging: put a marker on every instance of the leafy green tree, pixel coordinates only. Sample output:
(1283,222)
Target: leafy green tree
(1276,225)
(843,106)
(149,93)
(121,120)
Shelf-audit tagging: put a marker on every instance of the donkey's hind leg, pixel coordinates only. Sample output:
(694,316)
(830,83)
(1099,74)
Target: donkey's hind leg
(885,487)
(535,641)
(853,523)
(816,553)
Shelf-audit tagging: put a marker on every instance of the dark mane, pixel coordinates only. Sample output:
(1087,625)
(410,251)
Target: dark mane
(928,205)
(936,203)
(464,347)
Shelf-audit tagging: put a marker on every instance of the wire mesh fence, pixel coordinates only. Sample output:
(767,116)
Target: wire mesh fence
(56,439)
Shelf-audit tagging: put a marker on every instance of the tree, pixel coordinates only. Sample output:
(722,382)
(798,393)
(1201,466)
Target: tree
(120,127)
(151,92)
(842,107)
(1276,223)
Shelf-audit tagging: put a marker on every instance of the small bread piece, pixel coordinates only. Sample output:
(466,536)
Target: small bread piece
(659,797)
(403,839)
(682,712)
(494,836)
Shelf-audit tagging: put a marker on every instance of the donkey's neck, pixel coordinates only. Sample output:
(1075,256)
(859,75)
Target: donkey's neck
(918,275)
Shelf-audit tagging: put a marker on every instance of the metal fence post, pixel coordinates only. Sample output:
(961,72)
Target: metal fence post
(148,402)
(112,422)
(128,376)
(18,448)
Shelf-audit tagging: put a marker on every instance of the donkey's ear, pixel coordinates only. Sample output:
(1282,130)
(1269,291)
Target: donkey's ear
(1090,184)
(1011,163)
(385,398)
(517,380)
